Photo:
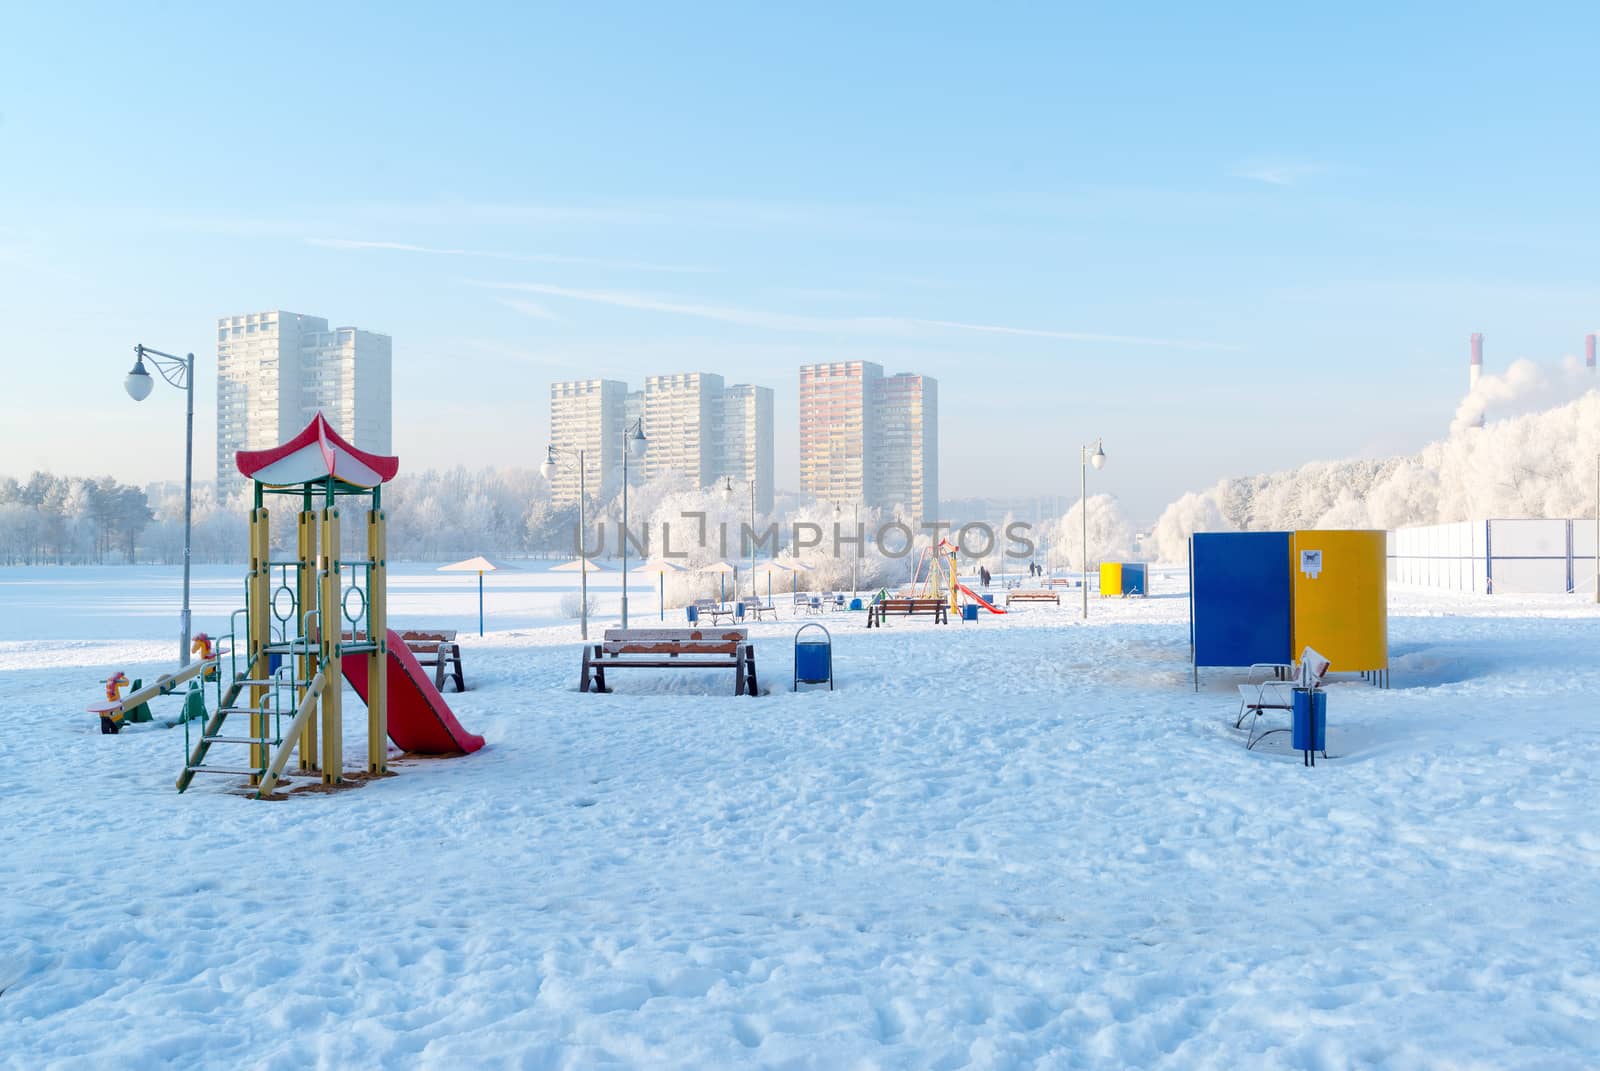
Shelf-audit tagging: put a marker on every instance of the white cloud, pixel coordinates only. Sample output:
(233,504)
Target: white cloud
(529,308)
(869,325)
(1277,173)
(355,244)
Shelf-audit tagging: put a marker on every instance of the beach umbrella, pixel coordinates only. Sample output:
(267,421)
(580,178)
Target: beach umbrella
(723,569)
(773,567)
(579,565)
(796,567)
(661,567)
(479,565)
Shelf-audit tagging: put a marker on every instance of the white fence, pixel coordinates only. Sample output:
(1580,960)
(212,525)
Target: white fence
(1511,557)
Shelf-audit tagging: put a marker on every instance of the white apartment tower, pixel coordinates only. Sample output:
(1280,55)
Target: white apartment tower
(587,415)
(747,439)
(683,422)
(836,444)
(906,420)
(276,369)
(868,438)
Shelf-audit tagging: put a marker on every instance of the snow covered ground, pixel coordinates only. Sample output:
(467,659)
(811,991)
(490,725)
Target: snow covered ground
(1025,842)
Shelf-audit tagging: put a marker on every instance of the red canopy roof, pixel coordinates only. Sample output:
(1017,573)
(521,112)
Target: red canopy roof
(314,454)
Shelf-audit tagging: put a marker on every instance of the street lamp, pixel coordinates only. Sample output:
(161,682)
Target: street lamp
(855,531)
(179,371)
(633,445)
(727,486)
(546,470)
(1098,460)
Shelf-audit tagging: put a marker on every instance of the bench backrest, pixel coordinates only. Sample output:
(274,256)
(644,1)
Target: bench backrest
(674,640)
(912,604)
(1313,667)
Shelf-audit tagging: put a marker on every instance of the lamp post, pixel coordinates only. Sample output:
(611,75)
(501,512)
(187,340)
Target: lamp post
(1098,460)
(179,371)
(855,521)
(727,486)
(1597,527)
(545,470)
(633,443)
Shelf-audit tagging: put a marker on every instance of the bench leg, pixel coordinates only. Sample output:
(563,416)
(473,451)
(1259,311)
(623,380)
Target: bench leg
(751,687)
(584,677)
(455,660)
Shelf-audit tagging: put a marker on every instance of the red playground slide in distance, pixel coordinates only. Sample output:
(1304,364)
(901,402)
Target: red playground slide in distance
(420,720)
(973,595)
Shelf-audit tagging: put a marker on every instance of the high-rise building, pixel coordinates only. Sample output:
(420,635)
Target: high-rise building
(870,438)
(836,445)
(683,422)
(906,458)
(587,415)
(276,369)
(747,438)
(697,430)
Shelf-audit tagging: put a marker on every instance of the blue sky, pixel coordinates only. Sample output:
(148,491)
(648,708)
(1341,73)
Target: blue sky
(1227,240)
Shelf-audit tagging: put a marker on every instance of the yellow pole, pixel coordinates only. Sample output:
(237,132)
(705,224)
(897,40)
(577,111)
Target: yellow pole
(954,608)
(306,592)
(260,631)
(330,622)
(378,660)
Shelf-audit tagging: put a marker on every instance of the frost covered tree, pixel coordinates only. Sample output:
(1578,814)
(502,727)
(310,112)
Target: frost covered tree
(1110,535)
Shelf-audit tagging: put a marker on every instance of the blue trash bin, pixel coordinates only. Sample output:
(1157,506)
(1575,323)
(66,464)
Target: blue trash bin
(813,656)
(855,604)
(987,597)
(1309,724)
(694,614)
(969,611)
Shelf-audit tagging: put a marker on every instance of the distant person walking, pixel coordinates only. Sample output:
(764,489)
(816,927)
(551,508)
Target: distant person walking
(983,575)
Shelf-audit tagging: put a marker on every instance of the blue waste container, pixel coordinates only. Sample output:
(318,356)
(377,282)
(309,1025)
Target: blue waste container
(987,597)
(855,604)
(694,614)
(813,656)
(1309,723)
(969,611)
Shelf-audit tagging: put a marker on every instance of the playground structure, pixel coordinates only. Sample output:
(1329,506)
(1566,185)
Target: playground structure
(310,618)
(134,708)
(934,576)
(1257,597)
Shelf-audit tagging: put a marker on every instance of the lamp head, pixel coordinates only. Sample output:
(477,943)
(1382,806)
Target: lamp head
(138,384)
(1098,458)
(549,464)
(637,443)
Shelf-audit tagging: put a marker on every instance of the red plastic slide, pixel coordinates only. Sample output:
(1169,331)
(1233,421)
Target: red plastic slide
(420,720)
(991,607)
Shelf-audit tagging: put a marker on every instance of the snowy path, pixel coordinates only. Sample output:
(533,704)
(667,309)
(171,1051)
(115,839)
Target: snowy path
(1022,843)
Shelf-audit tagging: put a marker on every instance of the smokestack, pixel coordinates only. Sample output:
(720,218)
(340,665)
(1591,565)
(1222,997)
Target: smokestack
(1475,369)
(1588,351)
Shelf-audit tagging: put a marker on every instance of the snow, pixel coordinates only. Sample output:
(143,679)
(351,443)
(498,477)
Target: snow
(1022,843)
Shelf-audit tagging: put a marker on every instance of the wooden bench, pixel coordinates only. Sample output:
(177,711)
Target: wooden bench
(878,612)
(671,648)
(1032,595)
(1063,582)
(436,647)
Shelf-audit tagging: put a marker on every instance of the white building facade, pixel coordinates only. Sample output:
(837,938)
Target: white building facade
(277,369)
(747,439)
(587,419)
(870,438)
